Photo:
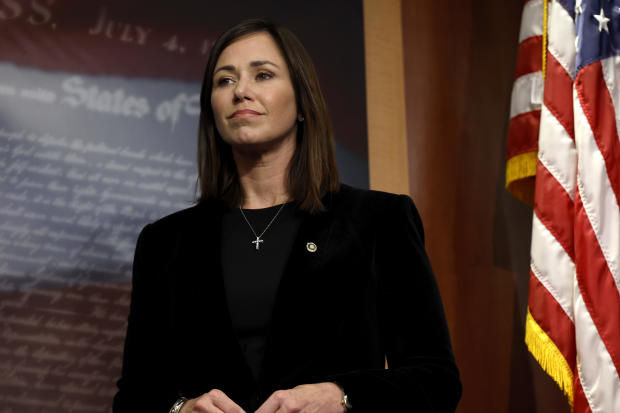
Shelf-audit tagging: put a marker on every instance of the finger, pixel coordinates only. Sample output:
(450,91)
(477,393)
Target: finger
(272,404)
(205,405)
(223,402)
(291,405)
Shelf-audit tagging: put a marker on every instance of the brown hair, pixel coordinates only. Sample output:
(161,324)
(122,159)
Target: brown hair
(312,169)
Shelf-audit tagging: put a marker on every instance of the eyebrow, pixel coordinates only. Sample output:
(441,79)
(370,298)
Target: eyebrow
(254,63)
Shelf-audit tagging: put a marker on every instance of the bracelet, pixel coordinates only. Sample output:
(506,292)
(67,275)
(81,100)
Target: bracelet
(176,407)
(345,402)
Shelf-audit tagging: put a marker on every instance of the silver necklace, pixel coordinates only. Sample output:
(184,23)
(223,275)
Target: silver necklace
(258,239)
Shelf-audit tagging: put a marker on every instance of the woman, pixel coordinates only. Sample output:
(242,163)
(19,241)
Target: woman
(281,290)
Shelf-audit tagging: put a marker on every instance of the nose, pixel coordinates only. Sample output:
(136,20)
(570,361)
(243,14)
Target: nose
(242,90)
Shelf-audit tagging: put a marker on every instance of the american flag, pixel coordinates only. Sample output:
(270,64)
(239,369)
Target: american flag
(525,105)
(573,320)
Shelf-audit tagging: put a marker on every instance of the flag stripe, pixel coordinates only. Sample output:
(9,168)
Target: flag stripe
(598,108)
(612,80)
(527,94)
(558,96)
(554,208)
(551,317)
(596,284)
(560,28)
(557,151)
(528,56)
(520,130)
(580,404)
(531,20)
(552,265)
(597,373)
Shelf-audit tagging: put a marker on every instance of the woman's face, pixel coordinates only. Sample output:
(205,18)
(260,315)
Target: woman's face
(252,98)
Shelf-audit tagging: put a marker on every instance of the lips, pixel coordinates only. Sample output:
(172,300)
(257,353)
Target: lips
(243,113)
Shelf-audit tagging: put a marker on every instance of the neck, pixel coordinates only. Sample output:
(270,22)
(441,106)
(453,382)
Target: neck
(263,178)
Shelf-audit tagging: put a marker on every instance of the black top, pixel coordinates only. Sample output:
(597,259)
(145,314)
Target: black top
(251,276)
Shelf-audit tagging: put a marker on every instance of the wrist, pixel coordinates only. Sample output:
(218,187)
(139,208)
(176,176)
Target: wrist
(178,405)
(345,403)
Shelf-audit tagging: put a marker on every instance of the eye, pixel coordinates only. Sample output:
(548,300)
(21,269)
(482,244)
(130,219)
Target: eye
(264,76)
(223,81)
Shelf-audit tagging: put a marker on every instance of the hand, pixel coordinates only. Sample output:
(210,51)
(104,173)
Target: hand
(215,401)
(307,398)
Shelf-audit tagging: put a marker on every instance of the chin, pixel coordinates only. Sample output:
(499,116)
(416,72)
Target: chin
(260,146)
(252,146)
(250,140)
(253,141)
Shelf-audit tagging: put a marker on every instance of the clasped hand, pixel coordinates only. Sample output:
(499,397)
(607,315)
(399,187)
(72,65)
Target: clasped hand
(306,398)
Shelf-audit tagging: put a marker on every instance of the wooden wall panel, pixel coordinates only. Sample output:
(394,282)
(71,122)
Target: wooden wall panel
(459,65)
(385,96)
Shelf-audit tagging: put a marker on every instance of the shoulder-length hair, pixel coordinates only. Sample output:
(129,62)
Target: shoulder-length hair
(312,169)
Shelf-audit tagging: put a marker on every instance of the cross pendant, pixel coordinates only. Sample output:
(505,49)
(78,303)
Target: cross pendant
(257,242)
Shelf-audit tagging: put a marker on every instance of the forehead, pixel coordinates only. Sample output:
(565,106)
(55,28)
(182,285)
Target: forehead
(252,47)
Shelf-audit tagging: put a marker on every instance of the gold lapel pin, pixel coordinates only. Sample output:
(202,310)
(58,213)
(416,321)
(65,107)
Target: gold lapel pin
(311,246)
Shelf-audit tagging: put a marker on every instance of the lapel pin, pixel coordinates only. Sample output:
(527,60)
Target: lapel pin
(311,246)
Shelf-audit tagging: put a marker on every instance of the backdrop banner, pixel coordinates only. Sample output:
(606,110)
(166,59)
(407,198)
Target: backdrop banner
(99,106)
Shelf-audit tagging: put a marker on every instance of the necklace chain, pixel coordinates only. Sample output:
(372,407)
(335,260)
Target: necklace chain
(258,237)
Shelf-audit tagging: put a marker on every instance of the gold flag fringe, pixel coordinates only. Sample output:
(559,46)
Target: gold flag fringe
(520,173)
(548,356)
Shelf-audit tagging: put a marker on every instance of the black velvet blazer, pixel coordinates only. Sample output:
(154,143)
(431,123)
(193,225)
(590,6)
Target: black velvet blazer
(366,293)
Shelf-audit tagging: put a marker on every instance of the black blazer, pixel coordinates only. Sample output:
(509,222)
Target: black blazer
(366,293)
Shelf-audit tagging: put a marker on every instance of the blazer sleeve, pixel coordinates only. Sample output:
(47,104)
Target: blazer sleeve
(422,374)
(147,372)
